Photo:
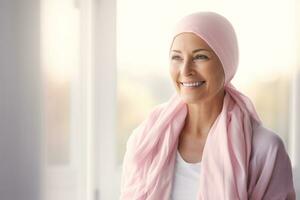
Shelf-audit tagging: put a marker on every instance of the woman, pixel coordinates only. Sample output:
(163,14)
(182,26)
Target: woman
(207,142)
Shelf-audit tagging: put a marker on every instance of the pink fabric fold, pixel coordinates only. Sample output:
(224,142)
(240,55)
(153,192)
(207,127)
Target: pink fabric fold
(234,164)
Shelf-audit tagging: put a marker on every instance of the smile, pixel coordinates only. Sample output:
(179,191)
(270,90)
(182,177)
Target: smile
(192,84)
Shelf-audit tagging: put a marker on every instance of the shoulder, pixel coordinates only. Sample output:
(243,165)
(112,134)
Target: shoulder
(270,172)
(266,138)
(266,142)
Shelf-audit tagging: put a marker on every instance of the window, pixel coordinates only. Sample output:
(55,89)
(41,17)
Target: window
(67,167)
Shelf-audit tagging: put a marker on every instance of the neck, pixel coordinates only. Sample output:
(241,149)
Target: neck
(201,116)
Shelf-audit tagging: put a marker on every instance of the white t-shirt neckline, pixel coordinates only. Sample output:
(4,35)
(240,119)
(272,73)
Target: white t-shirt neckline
(186,179)
(181,160)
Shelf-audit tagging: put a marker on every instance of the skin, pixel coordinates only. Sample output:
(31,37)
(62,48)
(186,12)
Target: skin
(204,103)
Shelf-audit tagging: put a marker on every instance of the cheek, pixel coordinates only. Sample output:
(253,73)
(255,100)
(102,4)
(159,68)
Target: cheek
(219,78)
(216,75)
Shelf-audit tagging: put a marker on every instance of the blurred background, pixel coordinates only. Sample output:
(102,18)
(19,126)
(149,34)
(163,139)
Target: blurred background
(77,76)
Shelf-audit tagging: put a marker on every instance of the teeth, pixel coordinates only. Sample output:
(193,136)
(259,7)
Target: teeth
(193,84)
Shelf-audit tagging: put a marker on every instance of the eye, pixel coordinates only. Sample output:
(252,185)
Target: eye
(175,57)
(201,57)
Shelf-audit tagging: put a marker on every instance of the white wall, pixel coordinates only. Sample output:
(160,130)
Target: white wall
(105,88)
(295,130)
(295,115)
(20,116)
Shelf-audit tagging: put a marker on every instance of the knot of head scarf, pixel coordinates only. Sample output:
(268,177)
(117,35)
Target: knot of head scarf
(148,164)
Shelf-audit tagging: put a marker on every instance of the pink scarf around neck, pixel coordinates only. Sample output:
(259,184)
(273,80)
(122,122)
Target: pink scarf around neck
(149,160)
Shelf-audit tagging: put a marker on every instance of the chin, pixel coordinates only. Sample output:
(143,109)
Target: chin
(191,99)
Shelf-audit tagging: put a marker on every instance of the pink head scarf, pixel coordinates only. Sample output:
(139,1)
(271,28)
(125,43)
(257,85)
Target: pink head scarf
(219,34)
(149,160)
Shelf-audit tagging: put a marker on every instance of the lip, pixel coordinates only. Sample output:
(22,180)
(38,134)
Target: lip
(191,81)
(193,84)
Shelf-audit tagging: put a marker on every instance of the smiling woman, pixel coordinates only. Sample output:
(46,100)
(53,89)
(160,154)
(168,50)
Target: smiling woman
(208,124)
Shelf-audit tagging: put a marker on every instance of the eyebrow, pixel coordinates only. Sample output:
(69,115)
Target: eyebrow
(194,51)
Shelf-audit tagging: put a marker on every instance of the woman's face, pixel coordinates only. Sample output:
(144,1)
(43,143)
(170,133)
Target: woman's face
(195,69)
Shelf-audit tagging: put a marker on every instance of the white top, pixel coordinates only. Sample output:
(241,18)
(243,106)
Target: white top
(186,180)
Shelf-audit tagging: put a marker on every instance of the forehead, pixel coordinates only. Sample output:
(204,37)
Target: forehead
(189,41)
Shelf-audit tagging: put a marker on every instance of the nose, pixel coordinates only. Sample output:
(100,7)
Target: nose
(187,68)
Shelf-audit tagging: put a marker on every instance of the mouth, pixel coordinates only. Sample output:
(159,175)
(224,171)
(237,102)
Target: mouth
(194,84)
